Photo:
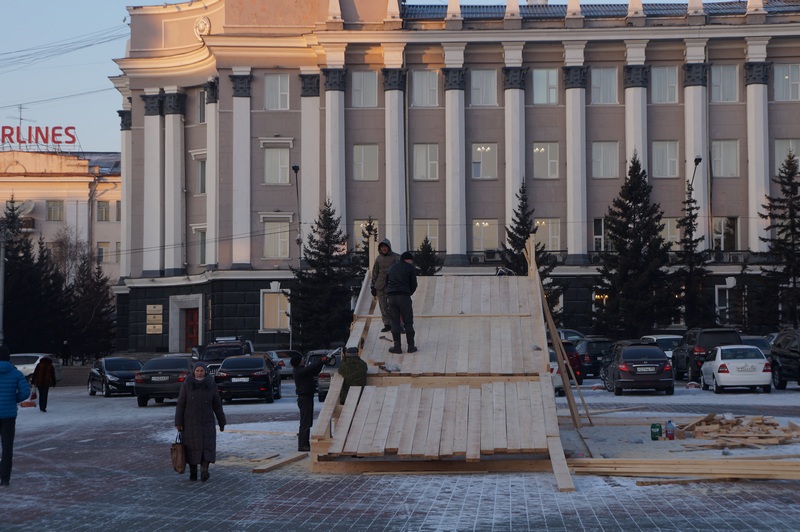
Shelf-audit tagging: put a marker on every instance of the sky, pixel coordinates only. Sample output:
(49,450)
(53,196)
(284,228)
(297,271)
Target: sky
(56,57)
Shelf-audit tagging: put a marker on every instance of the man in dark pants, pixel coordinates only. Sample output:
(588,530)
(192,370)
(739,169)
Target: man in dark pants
(401,283)
(305,387)
(13,389)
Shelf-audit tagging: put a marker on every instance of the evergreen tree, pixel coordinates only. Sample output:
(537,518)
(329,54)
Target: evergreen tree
(320,298)
(782,214)
(55,297)
(369,232)
(633,282)
(94,310)
(426,261)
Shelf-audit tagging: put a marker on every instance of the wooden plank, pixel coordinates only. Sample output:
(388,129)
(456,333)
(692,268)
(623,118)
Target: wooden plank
(512,418)
(462,360)
(474,426)
(447,298)
(549,407)
(462,421)
(356,332)
(387,414)
(345,420)
(438,298)
(559,461)
(446,329)
(486,295)
(506,350)
(487,420)
(279,462)
(449,422)
(495,302)
(359,420)
(484,347)
(430,293)
(456,341)
(398,418)
(495,341)
(410,423)
(371,424)
(321,427)
(499,417)
(418,298)
(537,412)
(423,423)
(475,348)
(525,416)
(436,424)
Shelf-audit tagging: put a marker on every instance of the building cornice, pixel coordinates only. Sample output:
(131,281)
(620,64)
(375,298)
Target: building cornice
(199,60)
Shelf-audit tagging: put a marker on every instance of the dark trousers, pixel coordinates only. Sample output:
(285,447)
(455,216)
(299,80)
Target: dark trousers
(383,303)
(401,308)
(306,405)
(7,429)
(43,392)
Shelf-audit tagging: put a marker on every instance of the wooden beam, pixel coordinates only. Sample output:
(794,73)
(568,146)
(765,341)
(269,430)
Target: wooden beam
(345,420)
(321,428)
(279,462)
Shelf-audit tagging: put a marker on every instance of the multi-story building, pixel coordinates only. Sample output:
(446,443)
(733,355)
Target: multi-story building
(241,118)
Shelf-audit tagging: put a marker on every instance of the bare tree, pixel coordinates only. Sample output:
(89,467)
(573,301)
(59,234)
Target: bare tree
(68,252)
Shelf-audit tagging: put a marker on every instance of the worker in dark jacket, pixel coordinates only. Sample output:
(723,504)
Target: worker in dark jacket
(13,389)
(305,386)
(401,284)
(386,259)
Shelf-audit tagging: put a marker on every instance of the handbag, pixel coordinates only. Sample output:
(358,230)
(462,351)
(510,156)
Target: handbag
(178,454)
(30,401)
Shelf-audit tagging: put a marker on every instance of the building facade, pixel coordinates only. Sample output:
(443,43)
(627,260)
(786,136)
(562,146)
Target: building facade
(241,118)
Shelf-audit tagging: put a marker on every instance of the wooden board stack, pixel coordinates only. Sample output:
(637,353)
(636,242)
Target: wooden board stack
(727,430)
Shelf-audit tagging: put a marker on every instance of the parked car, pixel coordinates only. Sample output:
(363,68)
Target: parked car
(248,376)
(667,342)
(284,357)
(323,380)
(591,351)
(638,365)
(784,358)
(696,345)
(26,363)
(214,353)
(760,342)
(113,375)
(567,334)
(731,366)
(574,361)
(161,378)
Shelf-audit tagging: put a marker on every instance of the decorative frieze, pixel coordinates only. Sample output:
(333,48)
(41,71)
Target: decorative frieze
(335,79)
(394,79)
(152,104)
(124,120)
(309,85)
(212,90)
(175,103)
(757,72)
(574,76)
(514,77)
(241,85)
(695,75)
(455,79)
(636,76)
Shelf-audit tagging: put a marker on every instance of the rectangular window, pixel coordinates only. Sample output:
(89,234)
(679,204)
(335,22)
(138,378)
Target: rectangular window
(484,161)
(484,235)
(55,210)
(721,299)
(365,162)
(545,86)
(548,232)
(664,84)
(724,83)
(359,226)
(725,158)
(665,158)
(604,160)
(483,87)
(545,160)
(782,149)
(201,247)
(423,228)
(424,88)
(103,251)
(274,311)
(201,176)
(365,88)
(671,233)
(601,242)
(725,235)
(426,162)
(276,92)
(201,106)
(276,166)
(276,239)
(119,210)
(103,211)
(604,85)
(787,82)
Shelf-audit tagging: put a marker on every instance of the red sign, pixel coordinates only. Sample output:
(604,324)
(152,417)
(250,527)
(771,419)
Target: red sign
(38,135)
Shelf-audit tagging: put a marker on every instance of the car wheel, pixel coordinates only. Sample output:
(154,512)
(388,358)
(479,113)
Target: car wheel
(717,388)
(92,391)
(579,379)
(670,390)
(560,392)
(141,401)
(767,388)
(607,383)
(777,378)
(106,390)
(270,396)
(703,383)
(322,397)
(617,390)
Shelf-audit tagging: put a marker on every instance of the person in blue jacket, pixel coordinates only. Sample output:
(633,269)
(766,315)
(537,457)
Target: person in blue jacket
(13,390)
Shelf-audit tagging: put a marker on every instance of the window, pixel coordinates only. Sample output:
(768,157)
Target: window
(103,251)
(423,228)
(664,84)
(604,85)
(276,166)
(484,235)
(725,237)
(724,83)
(276,238)
(277,92)
(604,159)
(365,88)
(721,296)
(671,233)
(545,86)
(548,232)
(274,310)
(359,226)
(545,160)
(483,87)
(787,82)
(55,210)
(365,162)
(484,161)
(201,106)
(665,158)
(424,88)
(103,211)
(782,148)
(725,158)
(426,162)
(601,242)
(201,247)
(119,210)
(201,176)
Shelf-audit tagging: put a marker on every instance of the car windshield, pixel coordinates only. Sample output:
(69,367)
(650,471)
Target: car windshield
(243,363)
(220,352)
(24,359)
(642,353)
(761,343)
(123,364)
(713,339)
(598,348)
(742,353)
(668,344)
(166,363)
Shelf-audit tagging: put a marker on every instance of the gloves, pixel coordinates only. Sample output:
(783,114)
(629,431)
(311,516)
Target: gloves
(222,428)
(373,291)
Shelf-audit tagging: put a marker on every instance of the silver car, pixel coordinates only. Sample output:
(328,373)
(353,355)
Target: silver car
(26,363)
(328,371)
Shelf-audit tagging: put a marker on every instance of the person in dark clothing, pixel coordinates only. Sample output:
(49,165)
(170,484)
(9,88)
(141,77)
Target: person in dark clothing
(305,386)
(65,353)
(44,378)
(13,390)
(198,404)
(386,259)
(401,284)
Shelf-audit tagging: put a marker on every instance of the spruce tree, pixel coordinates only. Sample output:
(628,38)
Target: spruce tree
(782,214)
(426,261)
(321,311)
(94,310)
(635,293)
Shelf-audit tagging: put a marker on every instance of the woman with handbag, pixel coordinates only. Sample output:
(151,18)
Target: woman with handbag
(44,378)
(198,406)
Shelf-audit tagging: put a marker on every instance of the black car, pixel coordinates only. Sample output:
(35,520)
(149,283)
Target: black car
(161,378)
(214,353)
(111,375)
(248,376)
(591,351)
(696,345)
(785,358)
(639,366)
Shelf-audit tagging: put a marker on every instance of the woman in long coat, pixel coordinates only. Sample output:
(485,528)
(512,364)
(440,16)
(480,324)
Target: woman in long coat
(44,378)
(198,405)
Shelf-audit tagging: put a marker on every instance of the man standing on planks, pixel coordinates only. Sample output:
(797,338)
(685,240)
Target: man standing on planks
(401,283)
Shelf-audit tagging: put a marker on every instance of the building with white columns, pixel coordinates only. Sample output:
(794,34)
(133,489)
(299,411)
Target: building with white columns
(427,119)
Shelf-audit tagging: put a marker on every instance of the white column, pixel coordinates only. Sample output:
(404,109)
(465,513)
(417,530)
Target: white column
(174,182)
(575,101)
(309,152)
(455,171)
(240,242)
(637,77)
(153,211)
(212,174)
(514,117)
(695,80)
(394,224)
(335,141)
(126,168)
(758,153)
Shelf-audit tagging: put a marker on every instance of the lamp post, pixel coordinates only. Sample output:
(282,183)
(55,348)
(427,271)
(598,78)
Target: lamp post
(299,238)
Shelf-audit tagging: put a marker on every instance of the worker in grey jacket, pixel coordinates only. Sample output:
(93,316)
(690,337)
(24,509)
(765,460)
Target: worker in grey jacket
(385,259)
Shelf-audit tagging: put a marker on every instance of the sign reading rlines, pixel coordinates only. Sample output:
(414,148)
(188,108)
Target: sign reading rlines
(38,135)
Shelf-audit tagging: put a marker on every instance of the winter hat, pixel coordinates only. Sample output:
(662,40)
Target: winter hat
(407,255)
(200,364)
(296,360)
(5,356)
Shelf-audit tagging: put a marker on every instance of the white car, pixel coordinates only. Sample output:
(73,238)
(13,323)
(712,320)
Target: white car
(730,366)
(26,363)
(667,342)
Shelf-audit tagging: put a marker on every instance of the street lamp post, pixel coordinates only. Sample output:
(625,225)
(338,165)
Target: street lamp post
(299,239)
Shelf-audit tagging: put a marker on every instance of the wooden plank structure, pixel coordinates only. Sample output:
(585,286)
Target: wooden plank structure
(477,396)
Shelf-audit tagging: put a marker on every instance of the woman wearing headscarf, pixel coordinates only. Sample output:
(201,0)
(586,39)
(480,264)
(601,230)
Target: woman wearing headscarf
(198,406)
(44,378)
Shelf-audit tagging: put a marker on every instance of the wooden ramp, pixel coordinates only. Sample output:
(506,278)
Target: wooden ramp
(477,396)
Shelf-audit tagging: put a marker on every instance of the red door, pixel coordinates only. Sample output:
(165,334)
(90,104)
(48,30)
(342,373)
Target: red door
(190,334)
